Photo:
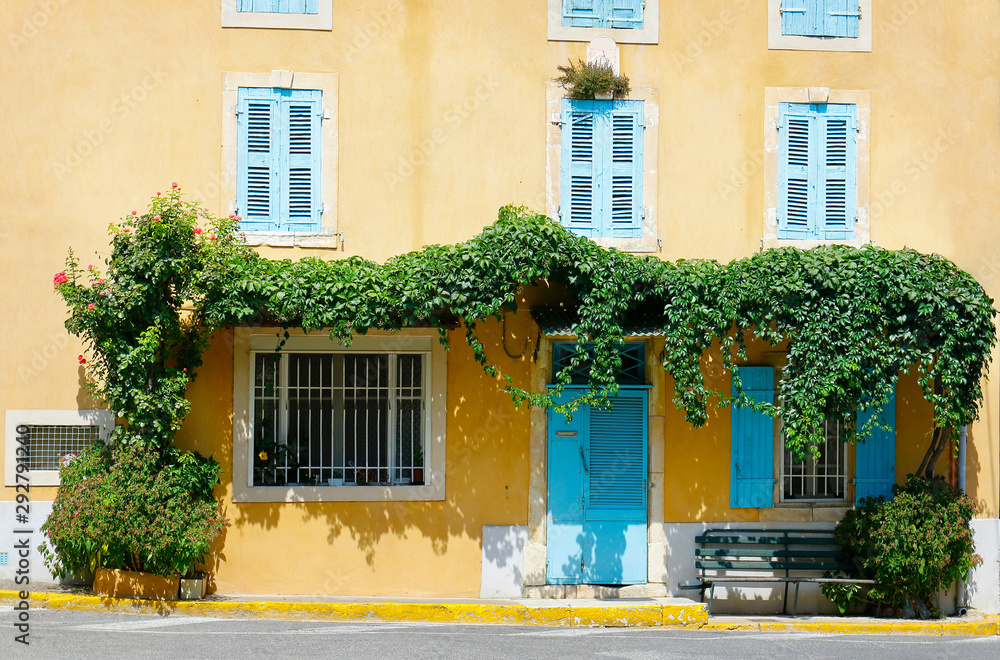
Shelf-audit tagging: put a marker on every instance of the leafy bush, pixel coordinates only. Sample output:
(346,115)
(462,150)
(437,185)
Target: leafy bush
(913,545)
(136,508)
(584,80)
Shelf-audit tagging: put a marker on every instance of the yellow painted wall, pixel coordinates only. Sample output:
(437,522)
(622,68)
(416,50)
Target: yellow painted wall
(107,102)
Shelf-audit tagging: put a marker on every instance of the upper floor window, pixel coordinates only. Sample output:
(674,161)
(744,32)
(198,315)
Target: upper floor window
(817,176)
(602,168)
(626,21)
(624,14)
(286,14)
(820,18)
(279,159)
(844,25)
(279,6)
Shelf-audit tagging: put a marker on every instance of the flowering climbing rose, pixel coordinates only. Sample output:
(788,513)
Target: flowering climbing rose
(60,278)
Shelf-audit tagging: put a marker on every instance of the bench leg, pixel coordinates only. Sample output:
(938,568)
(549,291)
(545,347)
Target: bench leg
(711,599)
(784,602)
(795,607)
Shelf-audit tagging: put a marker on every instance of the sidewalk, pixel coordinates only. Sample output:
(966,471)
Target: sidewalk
(677,613)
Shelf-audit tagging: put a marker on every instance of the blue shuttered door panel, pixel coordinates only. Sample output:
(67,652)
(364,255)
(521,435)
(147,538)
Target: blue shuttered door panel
(581,155)
(800,17)
(841,18)
(837,176)
(626,14)
(301,118)
(614,547)
(564,524)
(583,13)
(257,159)
(625,219)
(597,471)
(796,184)
(875,462)
(752,474)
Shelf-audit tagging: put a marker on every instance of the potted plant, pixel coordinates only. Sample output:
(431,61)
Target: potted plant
(593,80)
(336,478)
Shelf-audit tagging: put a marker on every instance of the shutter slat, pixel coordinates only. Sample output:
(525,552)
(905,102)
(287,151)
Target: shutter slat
(301,142)
(796,194)
(837,172)
(841,18)
(257,160)
(626,165)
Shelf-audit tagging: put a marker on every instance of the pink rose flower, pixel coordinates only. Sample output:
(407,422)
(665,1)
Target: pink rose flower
(60,278)
(90,306)
(211,237)
(197,230)
(173,185)
(81,359)
(156,218)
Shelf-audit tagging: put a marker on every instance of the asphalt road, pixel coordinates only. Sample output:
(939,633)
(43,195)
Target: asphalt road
(59,634)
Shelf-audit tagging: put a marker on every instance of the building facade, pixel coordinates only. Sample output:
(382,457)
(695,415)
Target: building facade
(373,128)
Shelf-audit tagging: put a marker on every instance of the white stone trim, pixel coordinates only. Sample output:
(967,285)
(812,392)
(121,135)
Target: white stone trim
(329,84)
(649,34)
(983,590)
(320,21)
(773,98)
(411,341)
(103,418)
(778,41)
(650,96)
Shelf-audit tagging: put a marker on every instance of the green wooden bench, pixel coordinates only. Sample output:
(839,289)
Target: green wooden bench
(790,556)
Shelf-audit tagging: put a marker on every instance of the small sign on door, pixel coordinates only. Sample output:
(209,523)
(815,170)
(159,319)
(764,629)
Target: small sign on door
(565,434)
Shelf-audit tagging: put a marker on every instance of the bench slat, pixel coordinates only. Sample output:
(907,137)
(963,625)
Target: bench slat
(768,566)
(753,552)
(765,540)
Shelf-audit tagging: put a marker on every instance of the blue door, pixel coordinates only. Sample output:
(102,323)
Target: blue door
(596,530)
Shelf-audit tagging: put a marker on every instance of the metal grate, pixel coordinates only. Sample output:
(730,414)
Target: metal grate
(817,479)
(359,417)
(49,444)
(633,355)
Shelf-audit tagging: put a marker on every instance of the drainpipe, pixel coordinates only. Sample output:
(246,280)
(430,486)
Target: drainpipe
(961,604)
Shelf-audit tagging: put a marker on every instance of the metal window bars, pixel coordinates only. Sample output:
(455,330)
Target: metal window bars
(817,479)
(49,445)
(332,418)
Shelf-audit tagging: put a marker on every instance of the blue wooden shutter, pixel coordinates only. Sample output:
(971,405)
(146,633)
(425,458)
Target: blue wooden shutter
(800,17)
(875,464)
(625,191)
(581,157)
(796,166)
(583,13)
(616,459)
(626,14)
(278,6)
(752,473)
(837,177)
(301,119)
(257,159)
(841,18)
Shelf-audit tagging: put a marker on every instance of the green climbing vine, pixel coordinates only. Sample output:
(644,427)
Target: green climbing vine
(850,318)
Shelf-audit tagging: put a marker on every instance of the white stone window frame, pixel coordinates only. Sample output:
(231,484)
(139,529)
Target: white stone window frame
(250,340)
(323,20)
(773,98)
(14,418)
(328,84)
(650,96)
(649,34)
(778,41)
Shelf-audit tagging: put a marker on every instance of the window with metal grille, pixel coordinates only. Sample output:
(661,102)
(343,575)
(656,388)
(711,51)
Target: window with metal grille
(339,418)
(49,445)
(814,479)
(633,356)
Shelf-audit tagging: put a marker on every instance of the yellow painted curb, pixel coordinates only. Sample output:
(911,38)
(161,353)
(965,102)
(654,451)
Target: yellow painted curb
(612,616)
(986,627)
